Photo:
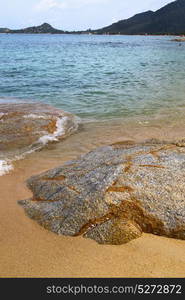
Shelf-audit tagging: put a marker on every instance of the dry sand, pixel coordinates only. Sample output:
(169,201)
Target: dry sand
(28,250)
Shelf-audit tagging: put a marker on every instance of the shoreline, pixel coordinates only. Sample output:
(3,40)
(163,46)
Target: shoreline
(92,133)
(73,33)
(28,250)
(28,127)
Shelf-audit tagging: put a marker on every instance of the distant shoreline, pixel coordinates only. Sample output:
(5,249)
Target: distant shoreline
(168,20)
(104,34)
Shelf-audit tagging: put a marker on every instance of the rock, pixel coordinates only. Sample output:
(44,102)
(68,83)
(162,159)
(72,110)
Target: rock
(25,127)
(114,193)
(179,40)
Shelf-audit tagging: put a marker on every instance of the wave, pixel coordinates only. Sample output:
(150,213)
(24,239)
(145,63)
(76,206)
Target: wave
(28,127)
(5,167)
(61,130)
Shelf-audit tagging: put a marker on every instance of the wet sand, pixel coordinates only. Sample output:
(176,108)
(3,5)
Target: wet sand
(28,250)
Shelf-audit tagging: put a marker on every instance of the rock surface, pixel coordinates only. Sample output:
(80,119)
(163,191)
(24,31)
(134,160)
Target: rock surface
(28,126)
(179,40)
(114,193)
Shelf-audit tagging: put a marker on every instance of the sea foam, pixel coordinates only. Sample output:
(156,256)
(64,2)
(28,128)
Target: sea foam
(61,130)
(5,167)
(35,116)
(33,121)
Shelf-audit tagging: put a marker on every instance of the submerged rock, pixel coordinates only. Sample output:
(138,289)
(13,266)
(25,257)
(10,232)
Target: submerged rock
(114,193)
(179,40)
(27,127)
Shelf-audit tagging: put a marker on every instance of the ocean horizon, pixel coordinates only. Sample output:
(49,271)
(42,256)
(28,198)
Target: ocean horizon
(92,146)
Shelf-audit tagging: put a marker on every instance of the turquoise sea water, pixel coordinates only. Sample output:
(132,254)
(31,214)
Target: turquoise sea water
(94,77)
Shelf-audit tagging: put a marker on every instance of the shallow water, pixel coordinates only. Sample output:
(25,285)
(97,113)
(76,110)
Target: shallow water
(94,77)
(122,87)
(100,80)
(28,127)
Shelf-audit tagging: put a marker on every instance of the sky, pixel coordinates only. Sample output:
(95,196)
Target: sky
(71,14)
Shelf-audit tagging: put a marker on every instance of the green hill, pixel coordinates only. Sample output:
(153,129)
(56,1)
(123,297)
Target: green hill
(44,28)
(170,19)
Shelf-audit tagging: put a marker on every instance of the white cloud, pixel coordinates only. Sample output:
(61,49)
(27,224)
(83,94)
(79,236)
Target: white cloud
(46,5)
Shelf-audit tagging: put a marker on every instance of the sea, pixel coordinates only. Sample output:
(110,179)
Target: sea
(115,85)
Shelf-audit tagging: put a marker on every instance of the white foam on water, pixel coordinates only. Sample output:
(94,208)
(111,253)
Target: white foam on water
(5,167)
(2,115)
(61,125)
(34,116)
(62,129)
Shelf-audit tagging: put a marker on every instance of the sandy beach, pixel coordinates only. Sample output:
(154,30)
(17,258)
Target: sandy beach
(92,74)
(28,250)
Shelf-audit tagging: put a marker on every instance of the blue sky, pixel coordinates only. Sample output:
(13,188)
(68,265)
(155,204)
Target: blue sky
(71,14)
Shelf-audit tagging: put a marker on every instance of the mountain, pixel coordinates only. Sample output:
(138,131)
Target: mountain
(170,19)
(44,28)
(4,30)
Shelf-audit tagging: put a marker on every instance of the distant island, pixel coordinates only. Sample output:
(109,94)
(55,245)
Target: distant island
(169,19)
(44,28)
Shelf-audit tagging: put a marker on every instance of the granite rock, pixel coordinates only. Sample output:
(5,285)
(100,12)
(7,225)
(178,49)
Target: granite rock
(114,193)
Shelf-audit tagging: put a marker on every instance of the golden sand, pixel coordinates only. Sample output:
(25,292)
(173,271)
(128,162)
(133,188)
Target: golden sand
(28,250)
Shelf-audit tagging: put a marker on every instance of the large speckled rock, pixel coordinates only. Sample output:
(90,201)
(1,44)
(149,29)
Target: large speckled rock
(114,193)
